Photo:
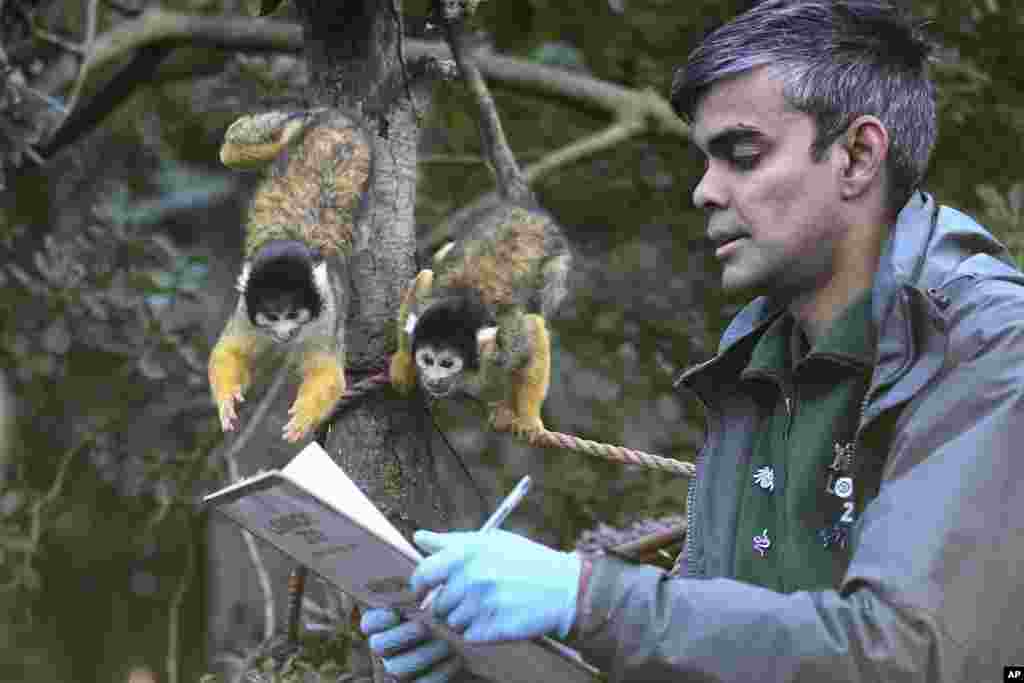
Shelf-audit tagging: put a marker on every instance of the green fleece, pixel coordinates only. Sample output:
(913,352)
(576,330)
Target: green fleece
(811,402)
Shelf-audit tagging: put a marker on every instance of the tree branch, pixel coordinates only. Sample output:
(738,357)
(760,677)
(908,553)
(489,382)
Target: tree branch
(511,182)
(645,110)
(234,474)
(90,38)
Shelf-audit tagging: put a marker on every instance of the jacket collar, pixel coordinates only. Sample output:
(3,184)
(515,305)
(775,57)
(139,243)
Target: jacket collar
(922,250)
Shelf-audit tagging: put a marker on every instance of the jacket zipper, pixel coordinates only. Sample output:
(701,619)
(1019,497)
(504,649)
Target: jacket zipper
(691,496)
(691,486)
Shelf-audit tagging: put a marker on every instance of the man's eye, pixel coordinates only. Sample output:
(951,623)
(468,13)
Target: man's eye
(745,163)
(745,158)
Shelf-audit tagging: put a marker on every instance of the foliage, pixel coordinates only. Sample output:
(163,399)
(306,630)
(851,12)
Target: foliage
(318,656)
(1004,215)
(109,287)
(103,305)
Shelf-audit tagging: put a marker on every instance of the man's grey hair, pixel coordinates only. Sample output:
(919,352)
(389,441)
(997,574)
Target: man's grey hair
(836,59)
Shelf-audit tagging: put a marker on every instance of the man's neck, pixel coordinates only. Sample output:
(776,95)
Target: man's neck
(816,314)
(854,272)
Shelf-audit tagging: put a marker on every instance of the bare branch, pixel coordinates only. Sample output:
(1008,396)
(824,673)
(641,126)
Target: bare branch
(159,26)
(53,38)
(235,475)
(174,614)
(635,112)
(511,183)
(588,146)
(90,38)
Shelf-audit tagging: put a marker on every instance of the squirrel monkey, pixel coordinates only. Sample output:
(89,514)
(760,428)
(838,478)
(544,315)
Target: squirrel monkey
(476,323)
(293,285)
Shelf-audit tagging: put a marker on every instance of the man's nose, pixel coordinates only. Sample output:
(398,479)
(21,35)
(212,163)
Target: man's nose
(709,193)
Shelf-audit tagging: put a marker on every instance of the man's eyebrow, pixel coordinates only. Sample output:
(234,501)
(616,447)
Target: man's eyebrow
(721,144)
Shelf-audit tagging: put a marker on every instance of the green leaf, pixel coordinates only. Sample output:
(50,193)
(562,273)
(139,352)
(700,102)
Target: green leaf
(994,202)
(561,54)
(1016,196)
(261,8)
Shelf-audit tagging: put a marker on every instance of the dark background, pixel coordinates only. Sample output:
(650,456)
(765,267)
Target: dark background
(117,261)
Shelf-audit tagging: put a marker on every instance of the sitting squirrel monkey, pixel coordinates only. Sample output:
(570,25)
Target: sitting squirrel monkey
(293,285)
(476,323)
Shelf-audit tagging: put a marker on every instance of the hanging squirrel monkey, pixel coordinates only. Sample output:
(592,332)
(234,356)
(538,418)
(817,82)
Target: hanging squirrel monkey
(476,323)
(294,279)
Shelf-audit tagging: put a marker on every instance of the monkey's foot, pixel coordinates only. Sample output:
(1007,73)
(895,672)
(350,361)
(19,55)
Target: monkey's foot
(527,427)
(226,410)
(403,372)
(318,395)
(504,419)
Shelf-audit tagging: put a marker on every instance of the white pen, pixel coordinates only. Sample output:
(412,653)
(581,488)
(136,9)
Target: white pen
(493,522)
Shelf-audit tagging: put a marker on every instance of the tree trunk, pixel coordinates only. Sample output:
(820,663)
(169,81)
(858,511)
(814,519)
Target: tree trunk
(382,441)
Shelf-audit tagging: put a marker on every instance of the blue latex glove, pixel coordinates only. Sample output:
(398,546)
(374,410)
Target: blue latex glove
(407,649)
(498,585)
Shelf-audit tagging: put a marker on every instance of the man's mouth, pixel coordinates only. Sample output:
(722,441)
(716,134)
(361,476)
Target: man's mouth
(724,245)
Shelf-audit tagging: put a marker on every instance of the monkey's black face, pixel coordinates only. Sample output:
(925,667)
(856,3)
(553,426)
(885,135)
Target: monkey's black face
(445,345)
(281,294)
(439,370)
(282,315)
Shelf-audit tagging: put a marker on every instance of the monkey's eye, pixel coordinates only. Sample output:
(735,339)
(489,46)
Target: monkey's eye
(447,363)
(302,315)
(262,319)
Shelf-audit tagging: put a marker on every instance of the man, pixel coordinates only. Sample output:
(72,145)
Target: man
(855,513)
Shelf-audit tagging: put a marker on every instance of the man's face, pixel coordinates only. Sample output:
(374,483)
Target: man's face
(773,213)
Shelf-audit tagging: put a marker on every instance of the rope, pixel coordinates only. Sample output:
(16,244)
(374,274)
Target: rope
(548,439)
(618,454)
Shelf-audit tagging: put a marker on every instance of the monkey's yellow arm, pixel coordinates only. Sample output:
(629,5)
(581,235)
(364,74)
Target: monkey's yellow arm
(323,386)
(403,366)
(230,371)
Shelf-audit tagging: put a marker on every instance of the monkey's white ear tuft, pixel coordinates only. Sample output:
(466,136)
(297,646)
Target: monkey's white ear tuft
(443,251)
(320,274)
(486,335)
(410,323)
(243,278)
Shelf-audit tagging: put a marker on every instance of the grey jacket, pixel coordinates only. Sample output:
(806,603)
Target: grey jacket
(934,592)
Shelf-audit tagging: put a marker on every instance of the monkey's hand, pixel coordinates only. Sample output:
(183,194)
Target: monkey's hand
(403,372)
(229,375)
(323,385)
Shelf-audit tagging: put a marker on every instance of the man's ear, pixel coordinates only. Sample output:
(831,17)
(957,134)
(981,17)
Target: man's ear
(865,147)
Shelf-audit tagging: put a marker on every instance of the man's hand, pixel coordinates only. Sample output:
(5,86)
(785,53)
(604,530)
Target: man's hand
(407,649)
(498,585)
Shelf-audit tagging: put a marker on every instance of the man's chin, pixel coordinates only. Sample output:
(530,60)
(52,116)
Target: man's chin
(739,283)
(736,281)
